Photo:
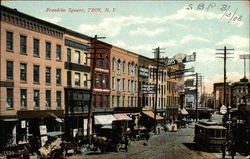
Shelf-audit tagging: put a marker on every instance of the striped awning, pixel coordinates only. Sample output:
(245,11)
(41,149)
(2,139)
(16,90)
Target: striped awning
(122,117)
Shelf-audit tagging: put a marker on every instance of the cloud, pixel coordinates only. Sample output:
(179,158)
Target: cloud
(190,38)
(235,41)
(231,77)
(146,32)
(113,26)
(55,20)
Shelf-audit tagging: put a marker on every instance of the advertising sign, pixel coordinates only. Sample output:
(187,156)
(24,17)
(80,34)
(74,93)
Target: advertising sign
(143,72)
(148,89)
(43,130)
(174,61)
(179,72)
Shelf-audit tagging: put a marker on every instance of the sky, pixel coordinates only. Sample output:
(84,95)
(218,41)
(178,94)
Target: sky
(176,26)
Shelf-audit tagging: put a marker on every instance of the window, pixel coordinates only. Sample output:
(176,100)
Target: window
(48,98)
(77,57)
(58,52)
(113,83)
(48,75)
(100,61)
(132,86)
(85,62)
(23,71)
(9,70)
(68,55)
(107,101)
(132,101)
(106,81)
(123,101)
(36,99)
(9,41)
(113,101)
(48,50)
(123,66)
(58,76)
(85,80)
(118,101)
(58,98)
(118,66)
(69,78)
(129,102)
(36,73)
(113,64)
(135,86)
(36,47)
(9,98)
(23,44)
(133,70)
(107,62)
(123,84)
(129,68)
(23,98)
(129,85)
(118,85)
(100,101)
(100,81)
(77,79)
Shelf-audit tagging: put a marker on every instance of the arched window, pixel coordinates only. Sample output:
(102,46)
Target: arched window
(107,62)
(118,66)
(132,69)
(100,61)
(113,64)
(136,69)
(128,67)
(123,66)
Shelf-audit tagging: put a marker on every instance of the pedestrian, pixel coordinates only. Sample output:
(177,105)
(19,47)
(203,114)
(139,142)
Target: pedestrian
(233,151)
(223,149)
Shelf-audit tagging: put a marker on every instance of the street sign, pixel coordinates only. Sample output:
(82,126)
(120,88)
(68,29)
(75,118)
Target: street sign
(223,109)
(179,72)
(148,89)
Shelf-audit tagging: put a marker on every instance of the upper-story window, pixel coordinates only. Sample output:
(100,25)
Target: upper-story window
(107,62)
(58,76)
(23,44)
(100,61)
(132,69)
(9,68)
(58,98)
(36,47)
(118,66)
(9,41)
(118,85)
(77,57)
(68,55)
(48,50)
(58,52)
(23,98)
(23,72)
(48,98)
(9,97)
(123,66)
(36,98)
(113,64)
(85,62)
(136,69)
(128,67)
(77,79)
(85,80)
(36,74)
(106,81)
(48,75)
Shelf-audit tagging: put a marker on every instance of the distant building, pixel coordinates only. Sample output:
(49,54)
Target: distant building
(241,93)
(218,93)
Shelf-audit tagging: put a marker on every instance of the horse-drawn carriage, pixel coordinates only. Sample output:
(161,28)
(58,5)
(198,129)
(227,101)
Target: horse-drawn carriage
(112,137)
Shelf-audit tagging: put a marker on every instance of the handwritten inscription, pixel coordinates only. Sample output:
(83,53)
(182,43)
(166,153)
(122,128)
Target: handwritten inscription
(81,10)
(224,8)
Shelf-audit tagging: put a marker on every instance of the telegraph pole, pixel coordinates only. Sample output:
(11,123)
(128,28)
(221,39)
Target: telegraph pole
(93,41)
(197,78)
(225,57)
(157,53)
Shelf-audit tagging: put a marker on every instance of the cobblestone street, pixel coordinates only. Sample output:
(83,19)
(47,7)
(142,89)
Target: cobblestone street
(170,145)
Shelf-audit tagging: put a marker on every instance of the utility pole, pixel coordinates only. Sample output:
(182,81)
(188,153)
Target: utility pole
(93,42)
(197,81)
(225,57)
(157,53)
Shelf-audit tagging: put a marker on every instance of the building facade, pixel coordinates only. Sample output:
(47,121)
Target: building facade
(31,76)
(219,95)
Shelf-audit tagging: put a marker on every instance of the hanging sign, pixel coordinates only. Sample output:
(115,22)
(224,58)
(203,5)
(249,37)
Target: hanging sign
(179,72)
(180,59)
(148,89)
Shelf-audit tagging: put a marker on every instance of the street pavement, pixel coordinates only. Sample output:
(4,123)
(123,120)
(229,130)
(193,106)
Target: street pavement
(168,145)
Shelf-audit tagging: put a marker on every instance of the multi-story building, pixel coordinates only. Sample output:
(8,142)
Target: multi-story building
(240,93)
(77,89)
(219,95)
(31,85)
(123,78)
(101,90)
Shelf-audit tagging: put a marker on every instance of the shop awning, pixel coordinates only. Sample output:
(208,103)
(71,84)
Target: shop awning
(122,117)
(104,119)
(183,111)
(151,115)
